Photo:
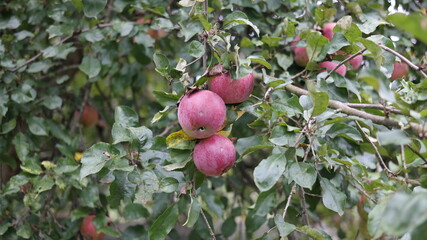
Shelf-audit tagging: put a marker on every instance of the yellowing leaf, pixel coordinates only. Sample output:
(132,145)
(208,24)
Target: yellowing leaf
(48,164)
(177,137)
(78,156)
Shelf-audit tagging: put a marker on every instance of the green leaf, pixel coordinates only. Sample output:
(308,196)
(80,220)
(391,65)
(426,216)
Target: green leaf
(4,226)
(165,98)
(196,49)
(193,213)
(261,60)
(237,18)
(268,171)
(134,211)
(271,41)
(303,174)
(38,126)
(120,189)
(375,219)
(338,42)
(190,30)
(43,184)
(314,233)
(168,184)
(321,102)
(164,223)
(24,94)
(4,99)
(31,166)
(91,8)
(413,23)
(250,144)
(124,28)
(90,66)
(95,157)
(147,185)
(284,228)
(393,137)
(126,116)
(52,102)
(22,145)
(24,231)
(332,198)
(8,126)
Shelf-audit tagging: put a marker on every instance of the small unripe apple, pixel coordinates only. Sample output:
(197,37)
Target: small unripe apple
(300,53)
(89,116)
(201,113)
(328,30)
(342,70)
(232,90)
(400,70)
(89,231)
(356,62)
(215,155)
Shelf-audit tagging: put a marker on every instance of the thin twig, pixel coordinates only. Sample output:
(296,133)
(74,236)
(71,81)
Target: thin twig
(402,152)
(304,206)
(374,106)
(84,102)
(35,57)
(377,153)
(407,61)
(207,223)
(267,93)
(417,153)
(205,40)
(344,61)
(420,130)
(363,191)
(293,190)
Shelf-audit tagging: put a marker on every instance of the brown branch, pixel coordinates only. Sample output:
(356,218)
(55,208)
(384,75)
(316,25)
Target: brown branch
(407,61)
(363,192)
(377,153)
(419,129)
(293,189)
(35,57)
(402,152)
(344,61)
(207,223)
(374,106)
(304,206)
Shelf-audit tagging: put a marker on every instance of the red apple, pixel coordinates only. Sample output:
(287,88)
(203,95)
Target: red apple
(89,116)
(231,90)
(342,70)
(356,62)
(88,230)
(157,34)
(215,155)
(201,113)
(300,53)
(400,70)
(328,30)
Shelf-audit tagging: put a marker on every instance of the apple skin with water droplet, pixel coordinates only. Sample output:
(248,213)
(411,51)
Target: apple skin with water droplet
(201,113)
(215,155)
(232,90)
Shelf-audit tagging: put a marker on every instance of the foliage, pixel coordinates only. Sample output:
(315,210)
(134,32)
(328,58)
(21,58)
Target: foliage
(310,164)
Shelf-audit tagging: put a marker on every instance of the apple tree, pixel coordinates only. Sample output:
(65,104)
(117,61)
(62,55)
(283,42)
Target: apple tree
(213,119)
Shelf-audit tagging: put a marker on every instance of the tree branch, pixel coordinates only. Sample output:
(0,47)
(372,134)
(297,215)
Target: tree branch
(411,64)
(344,61)
(374,106)
(419,129)
(289,200)
(207,223)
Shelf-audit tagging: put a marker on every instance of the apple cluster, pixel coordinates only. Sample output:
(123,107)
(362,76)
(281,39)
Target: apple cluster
(202,113)
(301,57)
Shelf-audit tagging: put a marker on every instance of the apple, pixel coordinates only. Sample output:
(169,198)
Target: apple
(201,113)
(232,90)
(356,62)
(328,30)
(157,34)
(89,116)
(89,231)
(400,70)
(215,155)
(300,53)
(342,70)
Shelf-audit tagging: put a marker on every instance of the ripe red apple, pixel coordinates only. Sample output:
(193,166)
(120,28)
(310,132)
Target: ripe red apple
(356,62)
(89,116)
(300,53)
(400,70)
(342,70)
(328,30)
(201,113)
(215,155)
(88,230)
(232,90)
